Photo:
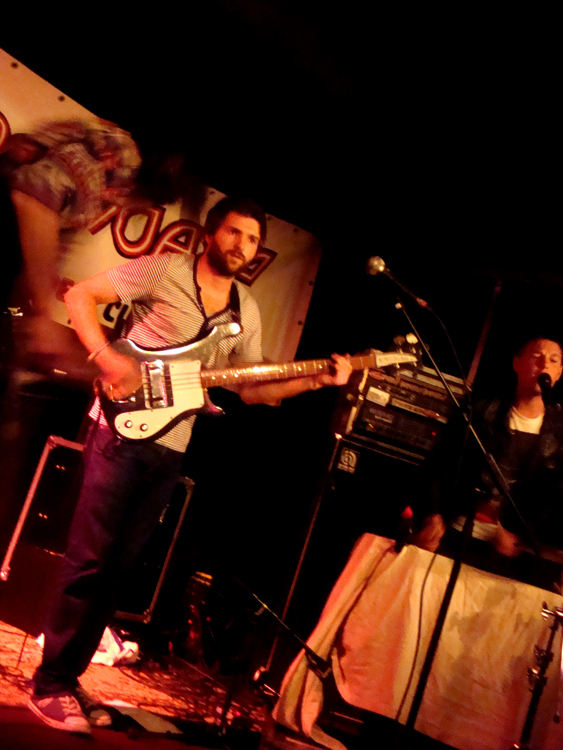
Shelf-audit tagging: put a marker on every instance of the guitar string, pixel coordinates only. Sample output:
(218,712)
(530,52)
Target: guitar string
(215,378)
(254,372)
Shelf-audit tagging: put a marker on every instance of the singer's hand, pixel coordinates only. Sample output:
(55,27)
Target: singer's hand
(431,533)
(507,543)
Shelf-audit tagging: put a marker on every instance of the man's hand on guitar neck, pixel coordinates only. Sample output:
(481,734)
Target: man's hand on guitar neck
(274,392)
(341,371)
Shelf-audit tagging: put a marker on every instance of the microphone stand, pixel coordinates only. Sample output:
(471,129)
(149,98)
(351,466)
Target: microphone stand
(537,678)
(405,732)
(319,666)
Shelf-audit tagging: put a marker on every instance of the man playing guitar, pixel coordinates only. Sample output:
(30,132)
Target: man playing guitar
(175,299)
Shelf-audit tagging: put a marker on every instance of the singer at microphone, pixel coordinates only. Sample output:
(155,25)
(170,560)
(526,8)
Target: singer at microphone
(523,432)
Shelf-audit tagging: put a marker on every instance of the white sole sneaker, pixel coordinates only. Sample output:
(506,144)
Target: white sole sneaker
(61,711)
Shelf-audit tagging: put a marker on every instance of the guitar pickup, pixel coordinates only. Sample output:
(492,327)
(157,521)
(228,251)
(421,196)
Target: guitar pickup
(156,385)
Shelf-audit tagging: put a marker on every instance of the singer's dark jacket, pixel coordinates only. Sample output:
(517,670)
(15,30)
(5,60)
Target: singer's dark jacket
(456,476)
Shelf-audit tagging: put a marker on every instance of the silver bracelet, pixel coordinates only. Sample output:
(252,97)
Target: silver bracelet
(92,356)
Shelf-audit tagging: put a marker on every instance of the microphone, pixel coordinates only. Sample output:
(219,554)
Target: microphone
(544,382)
(376,265)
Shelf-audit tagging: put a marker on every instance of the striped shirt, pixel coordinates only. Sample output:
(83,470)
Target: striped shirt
(166,311)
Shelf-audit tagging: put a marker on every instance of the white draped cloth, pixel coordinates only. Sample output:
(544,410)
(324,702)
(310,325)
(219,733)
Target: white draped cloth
(376,627)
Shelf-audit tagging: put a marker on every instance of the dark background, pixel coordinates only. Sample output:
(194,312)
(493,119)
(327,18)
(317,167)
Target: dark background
(425,138)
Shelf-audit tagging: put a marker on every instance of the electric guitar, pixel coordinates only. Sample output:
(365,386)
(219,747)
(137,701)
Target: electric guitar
(174,385)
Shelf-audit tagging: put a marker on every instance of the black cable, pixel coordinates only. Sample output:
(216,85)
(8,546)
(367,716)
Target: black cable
(418,637)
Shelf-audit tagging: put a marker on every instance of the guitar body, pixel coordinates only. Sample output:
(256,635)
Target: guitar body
(172,387)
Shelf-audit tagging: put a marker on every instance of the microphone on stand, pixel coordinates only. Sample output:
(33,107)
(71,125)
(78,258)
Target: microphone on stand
(376,265)
(545,384)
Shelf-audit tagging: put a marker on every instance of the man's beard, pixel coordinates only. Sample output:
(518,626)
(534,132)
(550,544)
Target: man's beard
(221,263)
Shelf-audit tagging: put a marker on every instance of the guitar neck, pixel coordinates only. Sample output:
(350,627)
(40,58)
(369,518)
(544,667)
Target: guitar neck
(264,373)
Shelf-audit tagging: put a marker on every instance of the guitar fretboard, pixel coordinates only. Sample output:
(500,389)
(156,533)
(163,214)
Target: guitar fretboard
(262,373)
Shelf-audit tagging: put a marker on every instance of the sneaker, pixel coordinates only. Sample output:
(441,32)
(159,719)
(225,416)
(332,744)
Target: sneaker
(61,711)
(94,713)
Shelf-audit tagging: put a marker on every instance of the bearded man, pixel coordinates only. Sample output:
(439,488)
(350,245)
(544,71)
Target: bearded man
(175,298)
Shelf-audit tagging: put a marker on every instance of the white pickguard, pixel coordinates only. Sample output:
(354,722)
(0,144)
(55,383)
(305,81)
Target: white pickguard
(188,396)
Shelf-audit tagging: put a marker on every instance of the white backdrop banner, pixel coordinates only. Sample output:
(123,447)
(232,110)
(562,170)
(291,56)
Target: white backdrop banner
(281,277)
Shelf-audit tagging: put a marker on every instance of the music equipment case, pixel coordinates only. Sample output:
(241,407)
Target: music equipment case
(399,411)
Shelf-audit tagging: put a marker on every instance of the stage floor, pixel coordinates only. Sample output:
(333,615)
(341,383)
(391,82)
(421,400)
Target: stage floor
(159,703)
(155,702)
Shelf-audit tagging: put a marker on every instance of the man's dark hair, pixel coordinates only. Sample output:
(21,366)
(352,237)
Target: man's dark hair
(536,335)
(240,205)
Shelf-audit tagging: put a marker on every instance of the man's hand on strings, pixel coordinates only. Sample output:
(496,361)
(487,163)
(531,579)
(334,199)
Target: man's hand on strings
(121,375)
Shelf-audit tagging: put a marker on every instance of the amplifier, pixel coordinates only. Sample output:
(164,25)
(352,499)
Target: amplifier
(405,409)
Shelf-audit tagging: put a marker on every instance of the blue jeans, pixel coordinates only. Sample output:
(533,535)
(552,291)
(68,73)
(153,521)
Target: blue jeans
(126,487)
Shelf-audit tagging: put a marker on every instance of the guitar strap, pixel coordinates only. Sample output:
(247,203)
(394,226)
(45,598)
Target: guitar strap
(230,314)
(234,305)
(221,317)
